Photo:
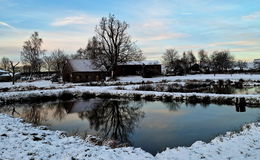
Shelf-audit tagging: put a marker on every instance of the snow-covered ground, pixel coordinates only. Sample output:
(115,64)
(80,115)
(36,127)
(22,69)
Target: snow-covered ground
(39,83)
(79,90)
(20,140)
(253,77)
(138,79)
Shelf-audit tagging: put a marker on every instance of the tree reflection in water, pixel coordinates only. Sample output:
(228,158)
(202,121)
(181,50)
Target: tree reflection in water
(115,119)
(172,106)
(111,119)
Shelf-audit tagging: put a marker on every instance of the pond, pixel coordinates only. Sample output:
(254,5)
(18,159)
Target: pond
(153,126)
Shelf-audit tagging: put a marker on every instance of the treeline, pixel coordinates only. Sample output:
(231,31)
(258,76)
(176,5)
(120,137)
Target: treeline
(217,62)
(112,45)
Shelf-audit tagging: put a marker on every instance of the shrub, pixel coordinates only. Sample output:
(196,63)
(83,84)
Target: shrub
(145,87)
(167,98)
(137,96)
(206,100)
(88,95)
(120,88)
(193,99)
(149,97)
(106,95)
(65,95)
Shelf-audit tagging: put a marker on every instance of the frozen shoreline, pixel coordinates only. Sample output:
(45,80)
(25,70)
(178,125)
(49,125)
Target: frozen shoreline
(77,91)
(19,140)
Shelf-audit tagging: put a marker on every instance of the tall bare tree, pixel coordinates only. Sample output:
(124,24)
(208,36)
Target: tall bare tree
(170,58)
(191,58)
(221,61)
(204,60)
(48,62)
(13,70)
(5,63)
(185,62)
(32,52)
(59,58)
(116,44)
(241,64)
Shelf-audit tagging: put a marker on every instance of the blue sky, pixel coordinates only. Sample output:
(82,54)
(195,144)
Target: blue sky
(155,25)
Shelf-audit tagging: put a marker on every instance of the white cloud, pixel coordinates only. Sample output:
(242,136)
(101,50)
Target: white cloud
(6,25)
(236,43)
(72,20)
(252,16)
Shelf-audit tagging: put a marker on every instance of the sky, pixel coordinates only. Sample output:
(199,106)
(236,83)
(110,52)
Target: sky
(155,25)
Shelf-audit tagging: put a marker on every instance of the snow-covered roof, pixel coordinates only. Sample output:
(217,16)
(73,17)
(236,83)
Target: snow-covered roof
(256,60)
(3,71)
(83,65)
(146,62)
(250,65)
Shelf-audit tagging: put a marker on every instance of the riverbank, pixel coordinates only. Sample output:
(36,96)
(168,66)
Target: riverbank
(19,140)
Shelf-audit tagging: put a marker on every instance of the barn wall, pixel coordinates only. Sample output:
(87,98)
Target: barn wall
(125,70)
(87,76)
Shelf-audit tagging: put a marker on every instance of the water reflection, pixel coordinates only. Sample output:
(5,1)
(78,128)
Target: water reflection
(152,126)
(111,119)
(114,119)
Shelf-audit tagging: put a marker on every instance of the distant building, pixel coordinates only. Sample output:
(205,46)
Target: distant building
(5,76)
(144,68)
(82,70)
(256,63)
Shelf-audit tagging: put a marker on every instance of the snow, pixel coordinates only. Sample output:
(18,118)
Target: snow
(243,145)
(3,71)
(20,140)
(256,60)
(23,141)
(40,83)
(23,90)
(146,62)
(82,65)
(192,77)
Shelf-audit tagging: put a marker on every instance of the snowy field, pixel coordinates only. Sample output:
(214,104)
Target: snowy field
(20,140)
(138,79)
(23,90)
(253,77)
(29,142)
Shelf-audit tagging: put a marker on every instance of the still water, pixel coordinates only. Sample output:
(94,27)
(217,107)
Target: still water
(153,126)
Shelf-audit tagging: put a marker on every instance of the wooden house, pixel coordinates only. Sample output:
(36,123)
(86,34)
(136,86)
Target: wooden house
(143,68)
(82,70)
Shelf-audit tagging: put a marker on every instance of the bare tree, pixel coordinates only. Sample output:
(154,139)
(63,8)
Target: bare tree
(48,63)
(5,63)
(116,45)
(12,70)
(59,58)
(221,61)
(204,60)
(241,64)
(170,58)
(32,52)
(185,62)
(191,58)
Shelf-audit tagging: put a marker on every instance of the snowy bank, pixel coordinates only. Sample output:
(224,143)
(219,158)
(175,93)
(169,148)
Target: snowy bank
(252,77)
(20,140)
(111,91)
(23,141)
(242,145)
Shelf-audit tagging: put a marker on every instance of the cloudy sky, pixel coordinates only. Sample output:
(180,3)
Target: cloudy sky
(154,24)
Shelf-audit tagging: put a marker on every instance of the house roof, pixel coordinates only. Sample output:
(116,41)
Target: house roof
(3,71)
(83,65)
(256,60)
(146,62)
